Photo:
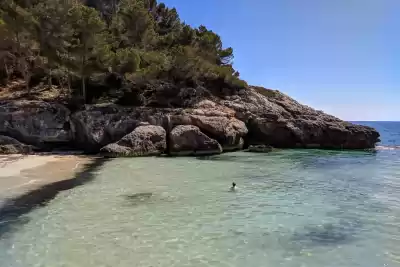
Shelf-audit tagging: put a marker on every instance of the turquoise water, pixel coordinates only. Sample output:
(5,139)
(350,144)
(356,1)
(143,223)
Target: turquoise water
(292,208)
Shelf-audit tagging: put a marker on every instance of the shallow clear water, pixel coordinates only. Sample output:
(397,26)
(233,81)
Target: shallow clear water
(292,208)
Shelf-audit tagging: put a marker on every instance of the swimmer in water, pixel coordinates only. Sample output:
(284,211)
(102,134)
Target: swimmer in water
(233,188)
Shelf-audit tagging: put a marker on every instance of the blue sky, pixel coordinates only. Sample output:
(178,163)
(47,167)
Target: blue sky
(340,56)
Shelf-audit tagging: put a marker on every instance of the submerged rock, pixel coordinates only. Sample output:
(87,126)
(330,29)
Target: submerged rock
(260,148)
(147,140)
(188,140)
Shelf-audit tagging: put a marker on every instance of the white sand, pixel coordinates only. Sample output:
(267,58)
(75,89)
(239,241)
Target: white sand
(21,173)
(14,165)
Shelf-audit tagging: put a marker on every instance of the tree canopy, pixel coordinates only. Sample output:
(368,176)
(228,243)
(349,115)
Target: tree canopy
(139,40)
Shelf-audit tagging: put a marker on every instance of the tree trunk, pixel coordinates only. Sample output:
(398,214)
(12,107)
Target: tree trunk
(49,81)
(7,73)
(27,80)
(83,89)
(83,63)
(69,84)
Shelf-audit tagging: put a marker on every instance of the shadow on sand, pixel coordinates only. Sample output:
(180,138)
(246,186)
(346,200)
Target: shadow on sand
(12,210)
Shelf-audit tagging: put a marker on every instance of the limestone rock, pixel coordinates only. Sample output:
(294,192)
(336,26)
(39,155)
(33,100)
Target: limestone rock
(147,140)
(100,125)
(44,125)
(188,140)
(227,131)
(9,145)
(252,116)
(115,150)
(275,119)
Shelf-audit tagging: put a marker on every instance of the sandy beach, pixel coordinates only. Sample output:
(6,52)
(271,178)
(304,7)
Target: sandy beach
(22,173)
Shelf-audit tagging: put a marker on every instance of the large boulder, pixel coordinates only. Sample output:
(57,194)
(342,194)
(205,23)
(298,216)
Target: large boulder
(273,118)
(188,140)
(216,121)
(146,140)
(9,145)
(99,125)
(228,131)
(44,125)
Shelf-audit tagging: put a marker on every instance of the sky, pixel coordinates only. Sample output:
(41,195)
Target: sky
(340,56)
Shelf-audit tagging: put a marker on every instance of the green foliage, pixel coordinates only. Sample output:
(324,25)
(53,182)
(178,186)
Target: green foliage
(133,25)
(267,92)
(52,30)
(126,60)
(88,41)
(139,40)
(18,49)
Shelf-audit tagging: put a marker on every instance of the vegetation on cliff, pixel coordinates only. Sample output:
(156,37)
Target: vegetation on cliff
(117,43)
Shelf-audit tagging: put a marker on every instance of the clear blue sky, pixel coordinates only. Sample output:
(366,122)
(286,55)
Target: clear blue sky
(340,56)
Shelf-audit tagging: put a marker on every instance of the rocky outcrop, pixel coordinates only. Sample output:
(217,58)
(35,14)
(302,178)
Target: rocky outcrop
(99,125)
(228,131)
(143,141)
(233,118)
(216,121)
(9,145)
(37,123)
(188,140)
(273,118)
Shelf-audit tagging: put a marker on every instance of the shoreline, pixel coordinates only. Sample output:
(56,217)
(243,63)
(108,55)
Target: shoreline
(21,174)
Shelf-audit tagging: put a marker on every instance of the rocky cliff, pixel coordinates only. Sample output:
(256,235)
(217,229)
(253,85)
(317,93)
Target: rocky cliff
(219,123)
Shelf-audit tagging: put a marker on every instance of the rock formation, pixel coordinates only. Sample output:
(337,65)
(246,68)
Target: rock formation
(9,145)
(273,118)
(147,140)
(44,125)
(188,140)
(253,116)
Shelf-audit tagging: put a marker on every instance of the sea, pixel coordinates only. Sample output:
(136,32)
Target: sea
(291,208)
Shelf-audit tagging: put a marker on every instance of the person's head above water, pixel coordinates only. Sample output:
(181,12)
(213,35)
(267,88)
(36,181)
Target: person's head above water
(233,188)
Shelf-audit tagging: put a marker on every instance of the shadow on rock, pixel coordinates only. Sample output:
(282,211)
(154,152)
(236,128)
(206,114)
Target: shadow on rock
(13,211)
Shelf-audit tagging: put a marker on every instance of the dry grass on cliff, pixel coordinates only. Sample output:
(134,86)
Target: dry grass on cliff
(16,90)
(267,92)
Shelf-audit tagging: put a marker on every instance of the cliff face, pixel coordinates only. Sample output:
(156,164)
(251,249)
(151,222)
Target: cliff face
(251,116)
(278,120)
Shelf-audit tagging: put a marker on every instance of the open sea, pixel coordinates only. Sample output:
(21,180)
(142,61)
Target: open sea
(292,208)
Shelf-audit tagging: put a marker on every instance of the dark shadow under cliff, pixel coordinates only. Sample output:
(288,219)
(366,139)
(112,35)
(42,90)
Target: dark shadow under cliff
(13,211)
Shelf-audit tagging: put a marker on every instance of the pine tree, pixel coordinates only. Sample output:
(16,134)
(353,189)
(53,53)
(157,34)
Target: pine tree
(138,40)
(88,42)
(133,25)
(54,32)
(18,22)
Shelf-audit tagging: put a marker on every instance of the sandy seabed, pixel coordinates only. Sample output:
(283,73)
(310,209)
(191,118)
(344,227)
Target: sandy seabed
(22,173)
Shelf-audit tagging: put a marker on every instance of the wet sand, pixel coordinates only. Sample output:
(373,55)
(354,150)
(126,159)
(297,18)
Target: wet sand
(20,174)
